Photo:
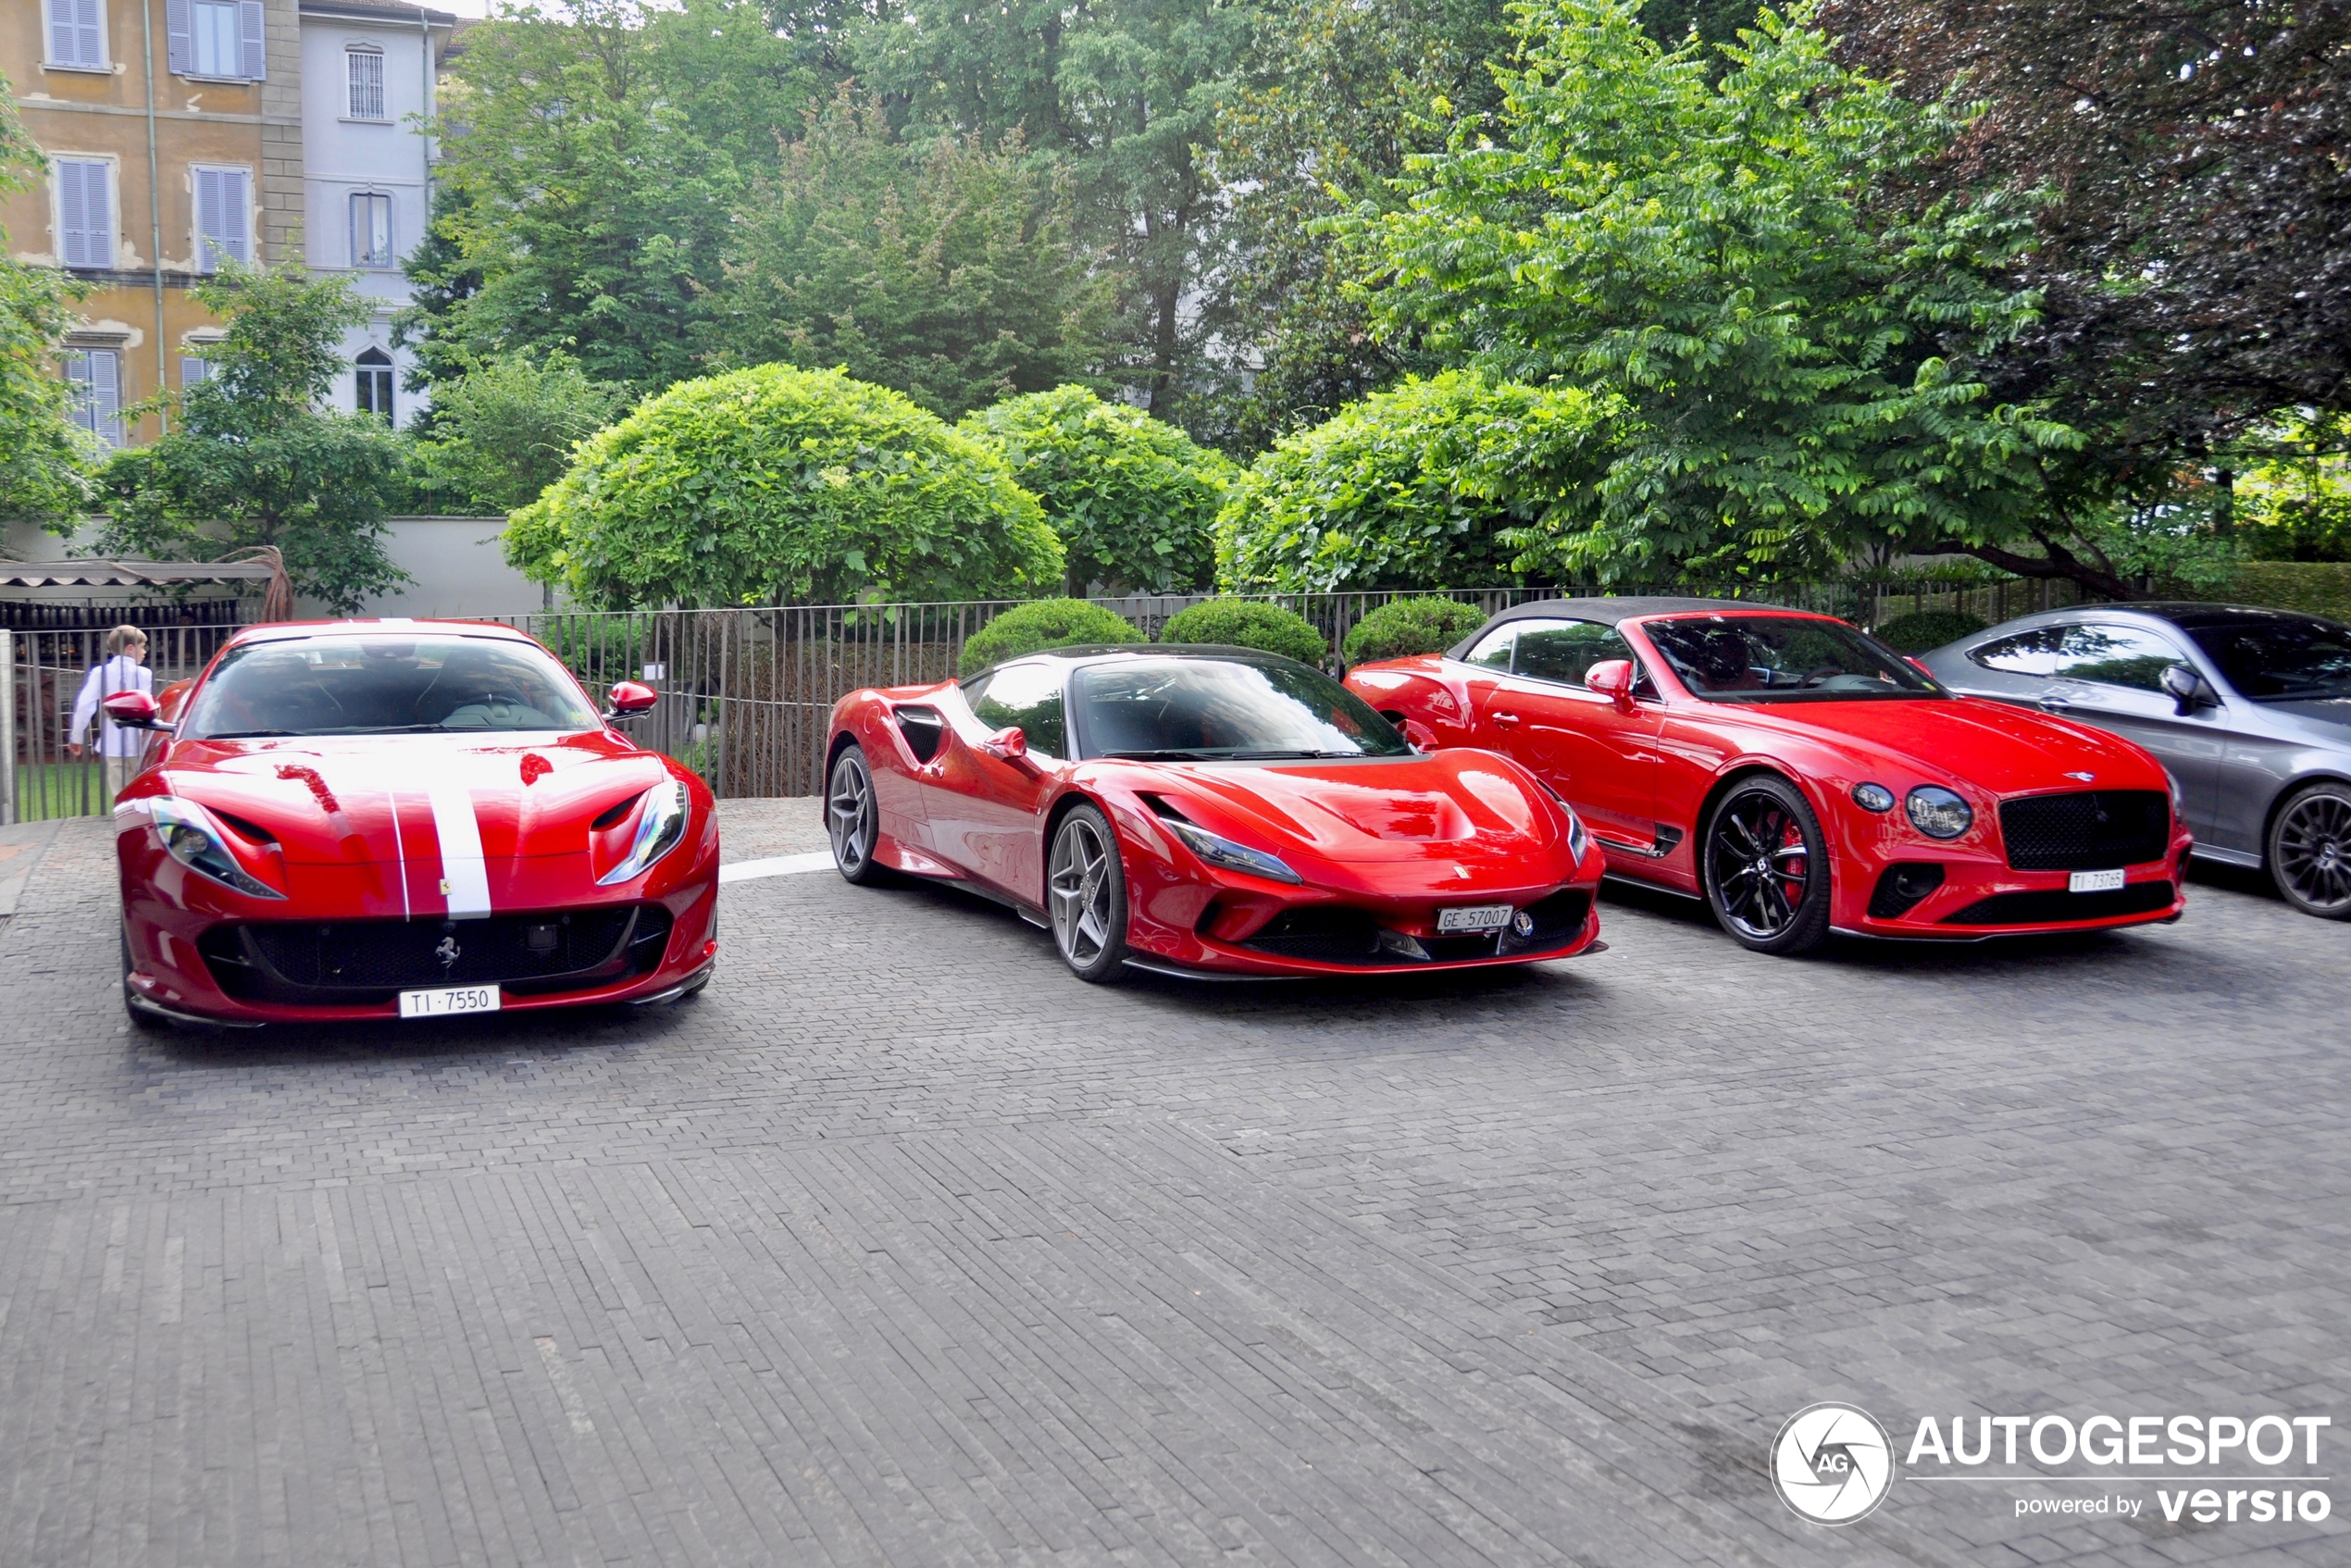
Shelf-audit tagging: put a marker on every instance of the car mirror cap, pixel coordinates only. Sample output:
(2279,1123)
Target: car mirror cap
(629,697)
(1009,743)
(2187,688)
(1611,679)
(133,710)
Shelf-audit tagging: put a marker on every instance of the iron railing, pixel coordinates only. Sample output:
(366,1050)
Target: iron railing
(46,669)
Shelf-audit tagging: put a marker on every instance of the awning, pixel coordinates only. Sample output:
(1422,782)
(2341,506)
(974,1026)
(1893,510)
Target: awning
(130,574)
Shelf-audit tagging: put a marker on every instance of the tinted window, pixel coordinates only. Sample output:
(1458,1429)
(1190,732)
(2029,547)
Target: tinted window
(2027,652)
(384,686)
(1563,651)
(1782,658)
(1028,696)
(1224,708)
(2119,655)
(1493,650)
(2282,659)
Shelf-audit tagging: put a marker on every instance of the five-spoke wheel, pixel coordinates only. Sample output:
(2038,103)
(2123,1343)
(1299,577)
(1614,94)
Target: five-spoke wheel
(850,816)
(1766,867)
(1086,894)
(2310,851)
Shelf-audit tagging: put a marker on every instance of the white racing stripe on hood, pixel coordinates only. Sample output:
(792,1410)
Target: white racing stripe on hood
(462,875)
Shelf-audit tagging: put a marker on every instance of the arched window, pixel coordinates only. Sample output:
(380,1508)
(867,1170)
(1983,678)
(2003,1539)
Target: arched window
(375,383)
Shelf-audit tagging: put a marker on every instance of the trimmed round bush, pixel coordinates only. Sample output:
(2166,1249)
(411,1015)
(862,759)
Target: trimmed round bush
(1250,622)
(1925,629)
(776,485)
(1047,623)
(1401,628)
(1132,498)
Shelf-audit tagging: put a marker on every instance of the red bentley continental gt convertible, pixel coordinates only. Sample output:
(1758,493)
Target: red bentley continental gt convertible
(1207,811)
(405,819)
(1800,776)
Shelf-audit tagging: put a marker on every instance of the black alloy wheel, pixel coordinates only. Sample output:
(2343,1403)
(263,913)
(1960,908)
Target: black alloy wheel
(851,819)
(2310,851)
(1086,895)
(1766,869)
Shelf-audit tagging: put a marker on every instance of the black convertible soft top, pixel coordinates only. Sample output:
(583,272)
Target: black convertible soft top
(1609,611)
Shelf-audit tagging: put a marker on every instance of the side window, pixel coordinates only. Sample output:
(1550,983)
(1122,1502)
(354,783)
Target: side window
(1029,696)
(2118,655)
(2028,653)
(1563,651)
(1493,650)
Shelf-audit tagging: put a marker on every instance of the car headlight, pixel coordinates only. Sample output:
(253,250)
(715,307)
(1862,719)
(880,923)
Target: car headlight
(661,827)
(1228,855)
(1939,813)
(1576,837)
(2178,796)
(190,837)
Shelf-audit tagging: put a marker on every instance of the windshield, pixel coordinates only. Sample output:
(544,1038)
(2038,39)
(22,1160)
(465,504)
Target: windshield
(385,686)
(1183,708)
(1782,658)
(2282,659)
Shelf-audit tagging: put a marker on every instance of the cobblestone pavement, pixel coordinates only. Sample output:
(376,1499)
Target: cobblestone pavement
(901,1246)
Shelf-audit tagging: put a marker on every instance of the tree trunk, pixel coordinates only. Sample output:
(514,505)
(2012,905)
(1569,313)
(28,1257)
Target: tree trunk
(2059,564)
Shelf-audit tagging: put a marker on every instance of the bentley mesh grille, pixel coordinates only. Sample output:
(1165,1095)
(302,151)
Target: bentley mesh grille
(2055,906)
(2095,830)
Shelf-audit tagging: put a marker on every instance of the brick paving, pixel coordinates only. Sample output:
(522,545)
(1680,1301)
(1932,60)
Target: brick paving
(900,1246)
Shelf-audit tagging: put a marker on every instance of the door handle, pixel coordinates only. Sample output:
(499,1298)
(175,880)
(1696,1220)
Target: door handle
(1504,720)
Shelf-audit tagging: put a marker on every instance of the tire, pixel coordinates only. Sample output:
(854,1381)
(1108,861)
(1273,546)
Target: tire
(1765,864)
(2309,847)
(142,1021)
(1085,896)
(851,819)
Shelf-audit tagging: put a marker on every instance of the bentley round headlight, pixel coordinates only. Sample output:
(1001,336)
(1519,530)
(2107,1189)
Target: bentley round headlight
(1873,797)
(1939,813)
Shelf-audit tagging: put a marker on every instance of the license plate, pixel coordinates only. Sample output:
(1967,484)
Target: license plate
(1474,917)
(2093,882)
(442,1000)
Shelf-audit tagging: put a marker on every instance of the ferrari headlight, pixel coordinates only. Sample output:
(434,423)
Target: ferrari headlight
(1226,855)
(190,837)
(661,827)
(1939,813)
(1576,837)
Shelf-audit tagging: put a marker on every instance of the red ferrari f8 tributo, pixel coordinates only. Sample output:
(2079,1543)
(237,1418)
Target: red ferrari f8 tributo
(1207,811)
(377,819)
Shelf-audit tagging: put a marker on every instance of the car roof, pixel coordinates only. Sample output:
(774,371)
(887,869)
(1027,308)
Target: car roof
(1613,611)
(1094,652)
(277,631)
(2189,614)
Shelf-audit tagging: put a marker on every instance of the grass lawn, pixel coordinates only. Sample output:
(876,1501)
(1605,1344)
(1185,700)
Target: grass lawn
(60,789)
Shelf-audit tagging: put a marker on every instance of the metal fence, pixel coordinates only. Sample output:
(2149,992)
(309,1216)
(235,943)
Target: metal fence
(45,672)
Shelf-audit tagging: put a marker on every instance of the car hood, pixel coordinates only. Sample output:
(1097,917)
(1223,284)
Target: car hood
(1451,806)
(381,799)
(1995,746)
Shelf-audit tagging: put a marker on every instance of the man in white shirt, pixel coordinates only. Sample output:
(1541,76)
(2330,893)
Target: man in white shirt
(124,670)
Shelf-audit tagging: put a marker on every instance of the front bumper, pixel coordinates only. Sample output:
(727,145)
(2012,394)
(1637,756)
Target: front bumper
(1979,898)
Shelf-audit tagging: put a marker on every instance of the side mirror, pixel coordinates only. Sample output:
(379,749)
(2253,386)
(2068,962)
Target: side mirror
(2186,689)
(1612,679)
(1008,743)
(628,698)
(133,710)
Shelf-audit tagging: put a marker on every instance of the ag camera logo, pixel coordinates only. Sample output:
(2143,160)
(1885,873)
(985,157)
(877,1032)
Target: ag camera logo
(1833,1464)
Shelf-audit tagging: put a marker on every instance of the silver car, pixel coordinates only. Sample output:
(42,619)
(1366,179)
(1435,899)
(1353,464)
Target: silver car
(2249,709)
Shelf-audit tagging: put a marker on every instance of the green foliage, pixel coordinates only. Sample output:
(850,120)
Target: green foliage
(506,431)
(943,267)
(1798,350)
(1413,487)
(253,461)
(2317,588)
(44,457)
(1404,626)
(1249,622)
(1045,623)
(1924,629)
(772,485)
(1131,497)
(2295,505)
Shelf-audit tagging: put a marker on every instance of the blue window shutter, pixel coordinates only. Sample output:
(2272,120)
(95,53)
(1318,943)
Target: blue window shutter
(249,36)
(73,209)
(85,214)
(86,33)
(208,225)
(179,30)
(105,395)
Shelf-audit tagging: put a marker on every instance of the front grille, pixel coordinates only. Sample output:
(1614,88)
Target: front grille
(2095,830)
(2055,906)
(359,963)
(1353,935)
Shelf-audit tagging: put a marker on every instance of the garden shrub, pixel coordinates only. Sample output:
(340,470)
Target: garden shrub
(2315,588)
(1924,629)
(1404,626)
(776,485)
(1132,498)
(1249,622)
(1047,623)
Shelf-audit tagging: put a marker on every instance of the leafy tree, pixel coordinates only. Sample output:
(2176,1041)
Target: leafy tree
(1249,622)
(43,458)
(506,431)
(773,485)
(253,459)
(2295,503)
(1415,486)
(944,267)
(1799,357)
(1132,498)
(1046,623)
(1404,626)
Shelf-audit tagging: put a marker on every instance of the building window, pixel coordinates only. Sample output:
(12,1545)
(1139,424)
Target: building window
(195,371)
(364,68)
(215,38)
(75,37)
(375,383)
(96,374)
(370,230)
(224,217)
(86,212)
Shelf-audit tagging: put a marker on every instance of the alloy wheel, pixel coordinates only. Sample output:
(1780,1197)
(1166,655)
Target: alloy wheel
(1084,891)
(848,814)
(2310,852)
(1763,871)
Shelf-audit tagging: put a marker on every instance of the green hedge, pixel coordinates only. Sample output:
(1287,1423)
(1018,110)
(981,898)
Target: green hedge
(1922,630)
(1404,626)
(1047,623)
(2317,587)
(1249,622)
